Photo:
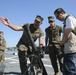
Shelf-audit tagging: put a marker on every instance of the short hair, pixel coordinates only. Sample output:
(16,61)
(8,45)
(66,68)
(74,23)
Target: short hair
(59,10)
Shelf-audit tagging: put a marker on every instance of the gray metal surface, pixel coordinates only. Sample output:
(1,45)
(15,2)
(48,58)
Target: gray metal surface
(12,64)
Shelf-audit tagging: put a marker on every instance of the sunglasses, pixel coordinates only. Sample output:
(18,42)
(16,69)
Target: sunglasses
(51,21)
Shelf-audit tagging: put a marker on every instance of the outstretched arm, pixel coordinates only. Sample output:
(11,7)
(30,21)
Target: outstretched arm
(6,22)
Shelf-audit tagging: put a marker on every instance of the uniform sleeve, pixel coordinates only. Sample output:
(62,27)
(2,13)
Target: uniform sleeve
(46,37)
(3,46)
(46,32)
(4,43)
(61,29)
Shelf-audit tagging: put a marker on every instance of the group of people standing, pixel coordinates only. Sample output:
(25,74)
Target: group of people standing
(66,57)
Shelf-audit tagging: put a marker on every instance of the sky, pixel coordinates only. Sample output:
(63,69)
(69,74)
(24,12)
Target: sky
(25,11)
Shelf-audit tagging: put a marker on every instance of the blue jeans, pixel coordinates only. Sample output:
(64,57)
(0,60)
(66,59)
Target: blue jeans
(69,64)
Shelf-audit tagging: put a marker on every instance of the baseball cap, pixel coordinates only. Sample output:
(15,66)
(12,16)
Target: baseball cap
(51,18)
(1,32)
(39,18)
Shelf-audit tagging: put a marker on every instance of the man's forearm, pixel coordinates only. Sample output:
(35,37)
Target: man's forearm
(66,36)
(64,39)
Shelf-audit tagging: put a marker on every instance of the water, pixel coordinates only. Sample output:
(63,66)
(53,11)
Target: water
(11,51)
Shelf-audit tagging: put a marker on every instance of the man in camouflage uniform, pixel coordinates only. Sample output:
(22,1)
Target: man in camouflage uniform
(53,34)
(23,44)
(2,48)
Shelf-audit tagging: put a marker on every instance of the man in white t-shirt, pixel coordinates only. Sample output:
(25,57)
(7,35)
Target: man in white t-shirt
(68,40)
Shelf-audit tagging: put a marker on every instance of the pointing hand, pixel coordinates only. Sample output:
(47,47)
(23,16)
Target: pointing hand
(5,21)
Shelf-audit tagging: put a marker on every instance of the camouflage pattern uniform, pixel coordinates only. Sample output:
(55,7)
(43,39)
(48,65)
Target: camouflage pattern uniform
(54,34)
(24,46)
(2,49)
